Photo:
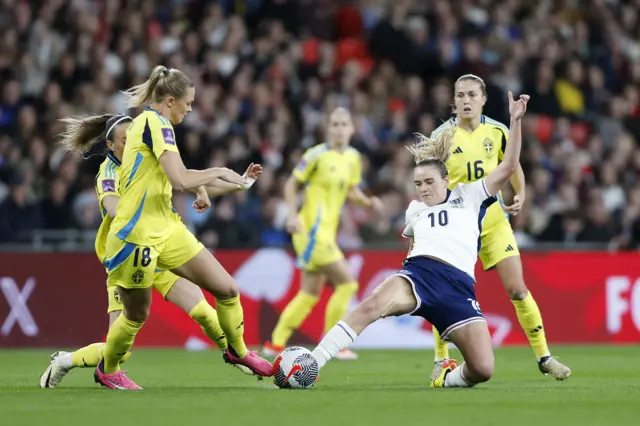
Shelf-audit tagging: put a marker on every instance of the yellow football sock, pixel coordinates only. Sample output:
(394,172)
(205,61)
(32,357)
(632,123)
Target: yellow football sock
(120,338)
(441,348)
(338,304)
(231,320)
(90,356)
(204,314)
(531,322)
(296,311)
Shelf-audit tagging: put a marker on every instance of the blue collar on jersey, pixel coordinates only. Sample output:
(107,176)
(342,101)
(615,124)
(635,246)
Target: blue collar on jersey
(113,158)
(447,197)
(151,109)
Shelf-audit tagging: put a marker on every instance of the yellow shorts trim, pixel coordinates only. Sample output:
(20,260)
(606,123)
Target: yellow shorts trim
(163,282)
(135,266)
(313,251)
(497,244)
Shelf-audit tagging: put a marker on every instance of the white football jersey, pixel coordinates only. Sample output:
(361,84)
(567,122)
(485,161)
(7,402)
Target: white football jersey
(450,231)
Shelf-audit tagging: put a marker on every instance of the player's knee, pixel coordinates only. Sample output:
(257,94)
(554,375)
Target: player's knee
(137,314)
(372,308)
(227,291)
(517,292)
(482,369)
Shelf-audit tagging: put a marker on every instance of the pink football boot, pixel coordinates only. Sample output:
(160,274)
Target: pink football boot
(259,366)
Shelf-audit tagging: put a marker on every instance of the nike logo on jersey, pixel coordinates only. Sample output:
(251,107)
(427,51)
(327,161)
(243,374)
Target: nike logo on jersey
(509,248)
(458,150)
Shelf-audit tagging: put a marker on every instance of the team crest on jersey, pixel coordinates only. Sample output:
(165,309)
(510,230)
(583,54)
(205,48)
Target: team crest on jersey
(487,144)
(137,277)
(458,203)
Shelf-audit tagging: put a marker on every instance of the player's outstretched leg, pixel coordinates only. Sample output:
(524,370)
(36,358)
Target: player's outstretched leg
(122,333)
(510,272)
(205,271)
(441,354)
(87,357)
(189,297)
(345,287)
(474,341)
(393,297)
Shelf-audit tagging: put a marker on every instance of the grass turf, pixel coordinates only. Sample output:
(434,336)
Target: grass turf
(381,388)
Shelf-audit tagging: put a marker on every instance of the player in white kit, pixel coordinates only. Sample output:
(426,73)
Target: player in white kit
(437,279)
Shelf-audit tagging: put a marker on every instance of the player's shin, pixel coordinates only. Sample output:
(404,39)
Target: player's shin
(531,321)
(337,339)
(231,318)
(89,356)
(338,304)
(207,317)
(441,348)
(296,311)
(120,338)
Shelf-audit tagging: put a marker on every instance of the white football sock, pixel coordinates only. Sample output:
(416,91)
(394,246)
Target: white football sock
(66,360)
(456,379)
(338,338)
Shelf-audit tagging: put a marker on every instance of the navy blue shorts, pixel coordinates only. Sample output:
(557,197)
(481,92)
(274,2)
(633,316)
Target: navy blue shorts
(446,295)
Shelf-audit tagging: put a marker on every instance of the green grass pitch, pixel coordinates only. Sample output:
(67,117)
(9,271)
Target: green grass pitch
(382,388)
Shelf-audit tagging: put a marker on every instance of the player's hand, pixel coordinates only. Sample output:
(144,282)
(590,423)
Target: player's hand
(514,209)
(253,171)
(519,107)
(293,224)
(230,176)
(377,205)
(202,202)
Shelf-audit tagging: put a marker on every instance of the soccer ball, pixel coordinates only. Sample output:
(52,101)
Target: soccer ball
(295,368)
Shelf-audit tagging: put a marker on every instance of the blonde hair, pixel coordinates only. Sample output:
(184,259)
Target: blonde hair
(80,133)
(426,149)
(473,77)
(162,82)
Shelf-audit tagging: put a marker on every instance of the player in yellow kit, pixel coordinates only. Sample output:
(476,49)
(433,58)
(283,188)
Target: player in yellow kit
(146,234)
(479,146)
(330,173)
(80,135)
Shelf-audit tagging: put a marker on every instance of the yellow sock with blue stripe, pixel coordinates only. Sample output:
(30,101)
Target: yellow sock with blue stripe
(231,318)
(338,304)
(531,321)
(441,348)
(120,338)
(293,315)
(90,356)
(204,314)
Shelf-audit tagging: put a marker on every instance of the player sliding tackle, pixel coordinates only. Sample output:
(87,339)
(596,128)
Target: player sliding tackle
(437,281)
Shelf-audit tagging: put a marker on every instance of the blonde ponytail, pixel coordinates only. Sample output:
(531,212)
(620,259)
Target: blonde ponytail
(438,148)
(80,133)
(162,82)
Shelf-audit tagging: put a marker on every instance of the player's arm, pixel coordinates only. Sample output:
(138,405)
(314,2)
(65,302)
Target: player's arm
(110,204)
(220,187)
(183,179)
(511,161)
(355,194)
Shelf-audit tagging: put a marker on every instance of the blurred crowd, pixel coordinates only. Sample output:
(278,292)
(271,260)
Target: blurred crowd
(268,71)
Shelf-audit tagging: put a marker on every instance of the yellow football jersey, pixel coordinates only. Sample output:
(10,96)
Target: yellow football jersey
(475,155)
(107,183)
(145,215)
(328,176)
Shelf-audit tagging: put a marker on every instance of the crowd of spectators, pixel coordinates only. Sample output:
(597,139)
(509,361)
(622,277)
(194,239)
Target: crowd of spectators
(267,72)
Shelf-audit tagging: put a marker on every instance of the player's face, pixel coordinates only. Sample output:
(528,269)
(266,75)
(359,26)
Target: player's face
(430,185)
(119,140)
(181,107)
(340,129)
(469,99)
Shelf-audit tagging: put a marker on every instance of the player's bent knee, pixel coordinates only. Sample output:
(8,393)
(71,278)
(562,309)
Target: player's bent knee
(481,370)
(137,314)
(226,291)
